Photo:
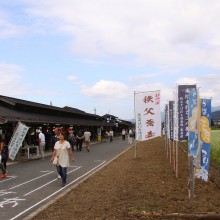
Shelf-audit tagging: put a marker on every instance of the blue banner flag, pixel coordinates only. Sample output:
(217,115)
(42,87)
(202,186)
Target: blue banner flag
(183,91)
(192,123)
(205,135)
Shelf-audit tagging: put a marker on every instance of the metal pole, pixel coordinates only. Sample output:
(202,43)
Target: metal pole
(135,146)
(191,177)
(177,161)
(174,159)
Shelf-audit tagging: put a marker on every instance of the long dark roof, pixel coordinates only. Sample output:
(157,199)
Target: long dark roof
(13,110)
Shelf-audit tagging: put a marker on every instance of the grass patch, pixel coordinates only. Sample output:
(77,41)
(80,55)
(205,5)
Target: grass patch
(215,146)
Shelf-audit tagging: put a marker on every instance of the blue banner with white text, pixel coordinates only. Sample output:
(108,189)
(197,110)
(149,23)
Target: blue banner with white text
(192,123)
(183,91)
(205,135)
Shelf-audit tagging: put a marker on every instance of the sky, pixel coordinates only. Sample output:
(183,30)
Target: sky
(94,55)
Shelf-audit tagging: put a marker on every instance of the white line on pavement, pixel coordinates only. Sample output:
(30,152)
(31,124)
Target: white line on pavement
(48,183)
(36,204)
(31,180)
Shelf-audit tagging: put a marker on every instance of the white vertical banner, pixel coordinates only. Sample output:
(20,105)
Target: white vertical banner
(17,139)
(175,117)
(147,115)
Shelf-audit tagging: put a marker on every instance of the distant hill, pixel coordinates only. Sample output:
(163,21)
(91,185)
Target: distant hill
(215,114)
(215,108)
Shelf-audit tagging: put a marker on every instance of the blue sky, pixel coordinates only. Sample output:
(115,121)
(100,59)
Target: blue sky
(93,54)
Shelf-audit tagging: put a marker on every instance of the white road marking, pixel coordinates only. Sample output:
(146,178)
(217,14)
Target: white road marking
(36,204)
(3,193)
(31,180)
(10,177)
(48,183)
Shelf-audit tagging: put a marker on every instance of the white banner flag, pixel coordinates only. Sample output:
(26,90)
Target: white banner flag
(147,115)
(17,139)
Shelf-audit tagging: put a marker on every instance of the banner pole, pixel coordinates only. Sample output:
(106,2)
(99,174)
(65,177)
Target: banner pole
(177,154)
(174,156)
(135,145)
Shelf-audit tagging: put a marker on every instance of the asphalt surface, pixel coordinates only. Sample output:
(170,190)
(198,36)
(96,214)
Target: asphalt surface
(31,185)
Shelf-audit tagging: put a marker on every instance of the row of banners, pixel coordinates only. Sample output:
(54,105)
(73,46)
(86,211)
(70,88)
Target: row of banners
(188,118)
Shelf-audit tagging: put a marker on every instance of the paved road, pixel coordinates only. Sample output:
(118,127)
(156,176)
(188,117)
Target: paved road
(32,184)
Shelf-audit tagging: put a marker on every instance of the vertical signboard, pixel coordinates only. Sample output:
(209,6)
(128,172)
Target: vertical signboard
(205,136)
(147,115)
(183,91)
(171,122)
(192,123)
(17,139)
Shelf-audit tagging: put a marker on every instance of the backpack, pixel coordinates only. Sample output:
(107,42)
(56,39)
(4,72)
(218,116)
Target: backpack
(71,138)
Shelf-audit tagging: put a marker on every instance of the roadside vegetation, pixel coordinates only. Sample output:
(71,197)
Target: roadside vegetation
(215,146)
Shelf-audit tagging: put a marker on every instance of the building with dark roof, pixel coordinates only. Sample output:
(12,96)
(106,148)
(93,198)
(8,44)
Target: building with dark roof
(13,110)
(35,115)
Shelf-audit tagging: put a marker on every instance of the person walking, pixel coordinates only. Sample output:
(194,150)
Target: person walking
(111,134)
(87,136)
(4,153)
(41,143)
(71,139)
(130,134)
(55,138)
(62,150)
(79,140)
(123,134)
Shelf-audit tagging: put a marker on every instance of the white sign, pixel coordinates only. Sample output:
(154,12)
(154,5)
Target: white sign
(147,115)
(17,139)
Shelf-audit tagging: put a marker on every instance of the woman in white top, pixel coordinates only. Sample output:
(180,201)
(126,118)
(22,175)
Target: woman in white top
(62,150)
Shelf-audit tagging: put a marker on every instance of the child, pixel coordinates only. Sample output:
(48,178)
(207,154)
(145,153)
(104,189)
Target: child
(3,158)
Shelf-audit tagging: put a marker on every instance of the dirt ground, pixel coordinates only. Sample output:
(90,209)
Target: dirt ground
(141,188)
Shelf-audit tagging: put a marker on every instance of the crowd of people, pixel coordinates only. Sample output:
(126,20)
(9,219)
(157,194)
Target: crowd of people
(63,143)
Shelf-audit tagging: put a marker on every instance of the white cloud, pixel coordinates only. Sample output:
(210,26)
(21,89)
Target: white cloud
(184,33)
(208,85)
(11,81)
(106,90)
(8,28)
(186,81)
(72,78)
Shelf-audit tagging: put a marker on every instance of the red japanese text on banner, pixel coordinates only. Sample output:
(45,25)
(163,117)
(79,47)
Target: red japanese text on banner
(147,115)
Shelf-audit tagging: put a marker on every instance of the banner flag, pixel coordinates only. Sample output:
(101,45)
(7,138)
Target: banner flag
(175,121)
(17,139)
(166,122)
(205,135)
(192,123)
(171,123)
(147,115)
(183,91)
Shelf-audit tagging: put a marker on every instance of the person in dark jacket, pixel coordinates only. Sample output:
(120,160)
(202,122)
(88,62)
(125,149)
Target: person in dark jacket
(4,152)
(55,138)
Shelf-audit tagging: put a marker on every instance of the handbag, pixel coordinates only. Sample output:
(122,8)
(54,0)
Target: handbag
(55,161)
